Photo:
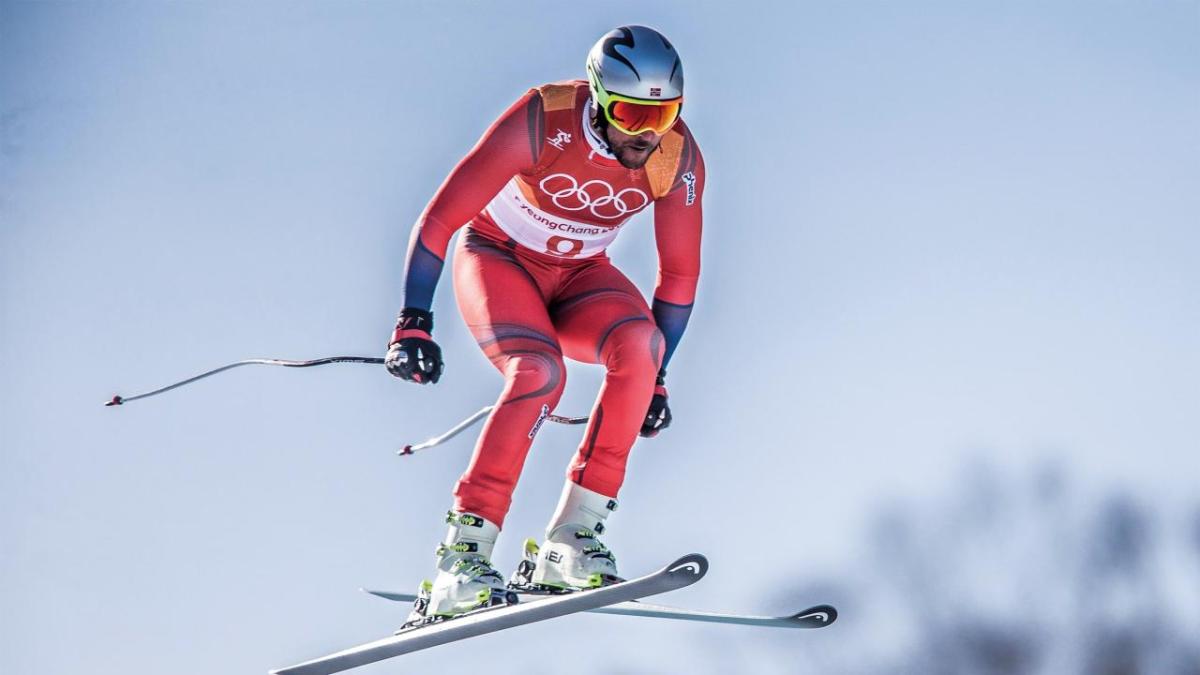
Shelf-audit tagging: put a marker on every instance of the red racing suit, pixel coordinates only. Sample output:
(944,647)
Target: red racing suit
(543,199)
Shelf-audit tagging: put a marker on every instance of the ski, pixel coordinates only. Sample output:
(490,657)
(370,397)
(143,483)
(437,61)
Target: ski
(683,572)
(818,616)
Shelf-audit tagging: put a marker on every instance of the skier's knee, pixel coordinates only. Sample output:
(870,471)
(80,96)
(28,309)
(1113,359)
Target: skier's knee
(634,346)
(539,374)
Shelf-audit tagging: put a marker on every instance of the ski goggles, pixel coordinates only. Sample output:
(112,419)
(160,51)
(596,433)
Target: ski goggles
(633,116)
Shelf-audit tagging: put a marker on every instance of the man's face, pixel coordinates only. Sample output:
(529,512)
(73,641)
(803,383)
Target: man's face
(631,151)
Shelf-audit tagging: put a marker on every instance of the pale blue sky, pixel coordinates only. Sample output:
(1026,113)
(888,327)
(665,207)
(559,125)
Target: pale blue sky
(934,232)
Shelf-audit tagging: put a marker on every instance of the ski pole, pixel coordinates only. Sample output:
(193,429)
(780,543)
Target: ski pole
(467,423)
(121,400)
(370,360)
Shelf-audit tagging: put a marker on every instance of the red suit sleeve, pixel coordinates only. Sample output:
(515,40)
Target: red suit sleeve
(678,221)
(508,147)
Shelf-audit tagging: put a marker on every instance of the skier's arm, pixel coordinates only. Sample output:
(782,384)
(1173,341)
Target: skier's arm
(678,219)
(506,148)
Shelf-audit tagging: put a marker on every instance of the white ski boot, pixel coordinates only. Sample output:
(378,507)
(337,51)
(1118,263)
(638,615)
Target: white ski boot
(572,557)
(466,580)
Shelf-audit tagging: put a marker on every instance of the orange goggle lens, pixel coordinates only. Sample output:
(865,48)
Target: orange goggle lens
(635,118)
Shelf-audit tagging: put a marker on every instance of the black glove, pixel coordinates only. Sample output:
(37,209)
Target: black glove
(659,415)
(412,354)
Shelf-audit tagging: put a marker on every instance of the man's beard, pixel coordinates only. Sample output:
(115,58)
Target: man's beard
(635,163)
(638,162)
(602,131)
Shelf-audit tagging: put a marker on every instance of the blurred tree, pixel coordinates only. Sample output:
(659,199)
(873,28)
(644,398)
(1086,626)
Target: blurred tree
(1016,576)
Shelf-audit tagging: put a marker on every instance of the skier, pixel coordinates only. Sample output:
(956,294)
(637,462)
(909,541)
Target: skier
(543,193)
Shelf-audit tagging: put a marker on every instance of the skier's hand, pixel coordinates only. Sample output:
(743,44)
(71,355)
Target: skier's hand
(412,354)
(658,417)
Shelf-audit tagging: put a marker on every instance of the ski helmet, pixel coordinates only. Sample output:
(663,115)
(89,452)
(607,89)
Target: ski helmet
(637,65)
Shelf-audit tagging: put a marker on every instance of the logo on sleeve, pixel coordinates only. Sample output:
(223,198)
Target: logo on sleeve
(559,140)
(690,179)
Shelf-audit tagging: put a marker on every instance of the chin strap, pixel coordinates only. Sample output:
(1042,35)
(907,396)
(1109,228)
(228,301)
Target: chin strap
(598,127)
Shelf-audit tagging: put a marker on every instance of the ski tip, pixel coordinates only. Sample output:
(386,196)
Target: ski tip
(815,617)
(692,564)
(389,595)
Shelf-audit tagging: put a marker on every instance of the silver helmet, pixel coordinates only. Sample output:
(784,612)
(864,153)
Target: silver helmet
(636,62)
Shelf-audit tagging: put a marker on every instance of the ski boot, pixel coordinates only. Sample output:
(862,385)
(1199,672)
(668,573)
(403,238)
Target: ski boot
(465,580)
(572,557)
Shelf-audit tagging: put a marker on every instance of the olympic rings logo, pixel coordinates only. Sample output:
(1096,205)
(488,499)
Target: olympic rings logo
(595,195)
